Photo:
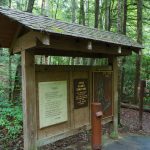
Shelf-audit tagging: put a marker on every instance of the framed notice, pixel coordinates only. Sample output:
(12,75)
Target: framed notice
(52,102)
(80,93)
(102,91)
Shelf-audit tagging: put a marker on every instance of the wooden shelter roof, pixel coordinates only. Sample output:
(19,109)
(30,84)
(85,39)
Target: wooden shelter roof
(47,25)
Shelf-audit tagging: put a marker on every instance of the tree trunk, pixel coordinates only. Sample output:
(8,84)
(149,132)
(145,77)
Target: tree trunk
(124,28)
(82,13)
(73,11)
(96,13)
(30,6)
(81,21)
(47,3)
(107,15)
(101,20)
(119,21)
(119,28)
(9,5)
(139,40)
(124,58)
(56,9)
(17,83)
(88,17)
(10,78)
(43,7)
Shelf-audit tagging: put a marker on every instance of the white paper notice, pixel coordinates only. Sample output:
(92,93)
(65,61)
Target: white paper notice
(52,102)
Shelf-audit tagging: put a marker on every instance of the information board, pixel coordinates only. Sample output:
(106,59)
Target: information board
(102,91)
(80,93)
(52,102)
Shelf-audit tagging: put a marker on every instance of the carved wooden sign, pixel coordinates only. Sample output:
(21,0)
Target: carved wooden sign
(80,93)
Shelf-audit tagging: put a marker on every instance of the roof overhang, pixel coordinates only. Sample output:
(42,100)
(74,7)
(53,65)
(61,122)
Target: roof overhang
(18,36)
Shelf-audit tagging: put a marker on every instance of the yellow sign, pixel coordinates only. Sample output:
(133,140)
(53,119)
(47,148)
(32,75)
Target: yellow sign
(52,102)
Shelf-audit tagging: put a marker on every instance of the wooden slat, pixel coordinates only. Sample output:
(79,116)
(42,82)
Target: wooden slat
(29,101)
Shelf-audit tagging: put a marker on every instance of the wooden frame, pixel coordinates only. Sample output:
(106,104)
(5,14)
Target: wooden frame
(29,100)
(64,46)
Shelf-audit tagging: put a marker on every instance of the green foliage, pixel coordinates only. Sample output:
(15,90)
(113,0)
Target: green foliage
(10,120)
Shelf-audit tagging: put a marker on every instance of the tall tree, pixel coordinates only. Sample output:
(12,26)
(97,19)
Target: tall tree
(124,58)
(47,7)
(96,13)
(82,13)
(57,6)
(119,20)
(124,28)
(73,10)
(107,15)
(139,40)
(30,5)
(119,28)
(43,7)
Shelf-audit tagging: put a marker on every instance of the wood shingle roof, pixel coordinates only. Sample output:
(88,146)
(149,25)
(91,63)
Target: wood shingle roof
(45,24)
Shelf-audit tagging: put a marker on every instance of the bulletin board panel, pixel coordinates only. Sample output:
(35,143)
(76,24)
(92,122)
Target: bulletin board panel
(58,124)
(71,122)
(102,91)
(77,95)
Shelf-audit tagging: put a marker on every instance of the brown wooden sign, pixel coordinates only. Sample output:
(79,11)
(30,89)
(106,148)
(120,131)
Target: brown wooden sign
(102,91)
(80,93)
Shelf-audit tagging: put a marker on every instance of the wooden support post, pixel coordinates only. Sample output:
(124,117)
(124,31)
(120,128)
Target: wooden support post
(115,97)
(29,101)
(141,96)
(96,123)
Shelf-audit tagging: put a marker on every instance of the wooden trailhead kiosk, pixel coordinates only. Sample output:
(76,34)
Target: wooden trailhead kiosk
(57,99)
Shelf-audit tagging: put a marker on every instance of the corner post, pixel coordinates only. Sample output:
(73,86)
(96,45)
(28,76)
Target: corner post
(29,100)
(115,97)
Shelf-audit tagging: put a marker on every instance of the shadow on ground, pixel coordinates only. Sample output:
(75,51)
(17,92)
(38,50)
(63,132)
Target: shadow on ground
(129,143)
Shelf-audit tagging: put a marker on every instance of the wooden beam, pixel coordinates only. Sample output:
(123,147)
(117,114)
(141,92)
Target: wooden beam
(29,40)
(56,52)
(29,101)
(70,44)
(115,96)
(64,45)
(53,68)
(15,38)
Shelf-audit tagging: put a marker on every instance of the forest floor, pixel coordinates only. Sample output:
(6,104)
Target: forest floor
(129,120)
